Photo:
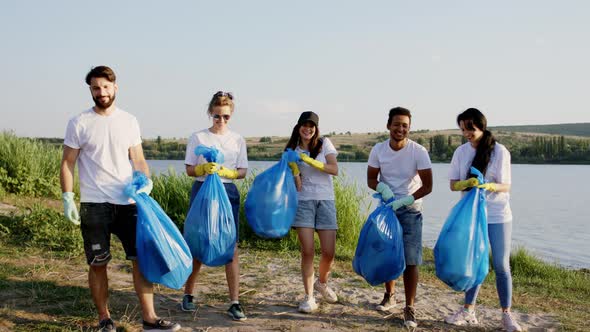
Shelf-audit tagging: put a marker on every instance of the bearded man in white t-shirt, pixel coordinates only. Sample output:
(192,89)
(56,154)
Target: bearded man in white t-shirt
(106,143)
(401,168)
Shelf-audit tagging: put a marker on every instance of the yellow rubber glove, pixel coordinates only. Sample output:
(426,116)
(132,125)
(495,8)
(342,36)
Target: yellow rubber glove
(228,173)
(206,168)
(294,168)
(312,162)
(490,186)
(469,183)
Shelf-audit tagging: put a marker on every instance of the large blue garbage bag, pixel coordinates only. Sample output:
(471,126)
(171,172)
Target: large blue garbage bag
(209,228)
(461,253)
(379,255)
(162,254)
(271,203)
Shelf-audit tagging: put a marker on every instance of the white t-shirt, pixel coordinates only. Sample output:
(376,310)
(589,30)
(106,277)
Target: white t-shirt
(231,144)
(103,162)
(498,203)
(315,184)
(399,169)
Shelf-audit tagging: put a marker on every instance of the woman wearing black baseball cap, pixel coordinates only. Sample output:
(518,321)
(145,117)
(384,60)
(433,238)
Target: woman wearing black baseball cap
(316,210)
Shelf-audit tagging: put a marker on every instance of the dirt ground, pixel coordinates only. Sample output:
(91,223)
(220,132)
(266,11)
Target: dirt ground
(270,290)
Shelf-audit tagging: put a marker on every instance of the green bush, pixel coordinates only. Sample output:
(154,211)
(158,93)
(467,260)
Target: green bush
(43,228)
(172,192)
(29,167)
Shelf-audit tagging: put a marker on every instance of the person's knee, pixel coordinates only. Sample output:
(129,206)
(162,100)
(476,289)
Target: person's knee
(502,269)
(307,253)
(100,260)
(98,269)
(328,254)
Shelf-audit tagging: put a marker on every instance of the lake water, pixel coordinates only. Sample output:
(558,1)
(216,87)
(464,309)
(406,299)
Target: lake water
(549,202)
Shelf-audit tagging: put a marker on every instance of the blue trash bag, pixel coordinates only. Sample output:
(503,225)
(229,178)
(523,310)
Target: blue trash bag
(162,254)
(461,253)
(379,255)
(271,203)
(209,228)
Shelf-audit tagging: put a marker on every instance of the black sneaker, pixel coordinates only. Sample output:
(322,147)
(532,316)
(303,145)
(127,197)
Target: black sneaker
(387,303)
(160,325)
(410,317)
(236,312)
(107,325)
(188,303)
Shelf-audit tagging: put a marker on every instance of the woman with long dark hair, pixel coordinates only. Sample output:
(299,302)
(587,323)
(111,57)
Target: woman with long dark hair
(493,160)
(316,210)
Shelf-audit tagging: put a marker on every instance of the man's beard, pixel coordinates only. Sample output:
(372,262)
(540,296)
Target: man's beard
(104,105)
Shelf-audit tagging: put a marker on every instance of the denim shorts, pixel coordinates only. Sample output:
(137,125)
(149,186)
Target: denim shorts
(234,199)
(316,214)
(99,221)
(411,222)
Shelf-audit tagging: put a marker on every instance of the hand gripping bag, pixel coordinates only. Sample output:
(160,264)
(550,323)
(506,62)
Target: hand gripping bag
(461,253)
(162,254)
(271,203)
(209,228)
(379,255)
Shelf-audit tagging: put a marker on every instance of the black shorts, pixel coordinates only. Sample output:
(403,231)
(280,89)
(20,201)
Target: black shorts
(99,221)
(234,199)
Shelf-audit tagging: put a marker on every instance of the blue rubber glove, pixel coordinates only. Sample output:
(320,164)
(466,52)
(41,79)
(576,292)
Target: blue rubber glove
(70,209)
(385,191)
(403,201)
(147,188)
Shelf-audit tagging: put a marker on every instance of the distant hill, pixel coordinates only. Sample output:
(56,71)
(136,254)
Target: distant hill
(566,129)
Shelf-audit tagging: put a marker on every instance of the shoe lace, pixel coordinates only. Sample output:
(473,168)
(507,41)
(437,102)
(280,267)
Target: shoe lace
(106,323)
(236,307)
(409,313)
(508,319)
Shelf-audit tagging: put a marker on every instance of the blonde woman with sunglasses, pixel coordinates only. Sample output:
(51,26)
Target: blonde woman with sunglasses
(235,166)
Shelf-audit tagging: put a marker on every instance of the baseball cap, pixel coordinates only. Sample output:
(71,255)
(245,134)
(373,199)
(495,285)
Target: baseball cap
(308,116)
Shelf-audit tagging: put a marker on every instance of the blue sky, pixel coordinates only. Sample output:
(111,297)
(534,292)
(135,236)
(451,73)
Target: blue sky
(520,62)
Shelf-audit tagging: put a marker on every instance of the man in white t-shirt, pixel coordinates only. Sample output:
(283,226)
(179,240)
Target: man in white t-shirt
(103,140)
(401,168)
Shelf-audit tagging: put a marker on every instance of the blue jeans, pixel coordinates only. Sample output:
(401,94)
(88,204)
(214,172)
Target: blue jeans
(411,221)
(500,240)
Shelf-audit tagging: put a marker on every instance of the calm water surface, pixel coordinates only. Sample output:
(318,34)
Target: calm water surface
(549,202)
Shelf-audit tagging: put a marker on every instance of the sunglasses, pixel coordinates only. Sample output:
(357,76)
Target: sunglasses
(219,116)
(219,94)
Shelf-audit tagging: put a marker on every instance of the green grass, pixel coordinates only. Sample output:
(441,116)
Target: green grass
(29,167)
(41,227)
(172,192)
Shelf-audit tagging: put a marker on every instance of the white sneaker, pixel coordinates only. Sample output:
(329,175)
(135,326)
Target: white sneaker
(308,305)
(509,323)
(328,294)
(462,317)
(387,303)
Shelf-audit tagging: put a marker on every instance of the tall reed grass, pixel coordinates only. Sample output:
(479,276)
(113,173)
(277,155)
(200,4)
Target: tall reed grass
(172,191)
(29,167)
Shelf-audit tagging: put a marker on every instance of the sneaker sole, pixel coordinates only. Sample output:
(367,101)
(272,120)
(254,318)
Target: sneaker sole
(384,309)
(187,310)
(156,330)
(237,319)
(410,324)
